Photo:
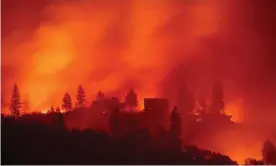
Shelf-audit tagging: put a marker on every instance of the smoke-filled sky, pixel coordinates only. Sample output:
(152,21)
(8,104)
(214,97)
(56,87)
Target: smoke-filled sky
(154,46)
(51,46)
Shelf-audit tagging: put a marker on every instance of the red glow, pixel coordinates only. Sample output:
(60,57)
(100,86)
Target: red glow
(49,48)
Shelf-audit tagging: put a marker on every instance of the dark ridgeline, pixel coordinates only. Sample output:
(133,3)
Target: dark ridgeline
(43,139)
(115,136)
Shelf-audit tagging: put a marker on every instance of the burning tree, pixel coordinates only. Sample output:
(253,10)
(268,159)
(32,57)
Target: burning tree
(15,102)
(67,102)
(217,104)
(80,97)
(131,99)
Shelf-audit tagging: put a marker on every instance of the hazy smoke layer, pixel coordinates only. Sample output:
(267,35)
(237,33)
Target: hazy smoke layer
(153,46)
(49,47)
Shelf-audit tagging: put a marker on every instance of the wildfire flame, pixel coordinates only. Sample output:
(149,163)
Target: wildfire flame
(47,111)
(117,46)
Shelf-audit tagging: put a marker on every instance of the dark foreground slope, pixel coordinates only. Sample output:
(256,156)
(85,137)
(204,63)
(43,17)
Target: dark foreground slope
(33,142)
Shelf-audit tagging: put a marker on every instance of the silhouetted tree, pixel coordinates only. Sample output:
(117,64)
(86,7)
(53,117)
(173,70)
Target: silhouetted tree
(251,161)
(217,104)
(100,95)
(67,102)
(114,122)
(52,109)
(58,110)
(15,102)
(175,127)
(186,101)
(131,99)
(175,131)
(269,153)
(80,97)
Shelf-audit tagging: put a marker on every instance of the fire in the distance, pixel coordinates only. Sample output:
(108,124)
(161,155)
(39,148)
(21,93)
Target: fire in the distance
(236,153)
(234,109)
(49,47)
(47,111)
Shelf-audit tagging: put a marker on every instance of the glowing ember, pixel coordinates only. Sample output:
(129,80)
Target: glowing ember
(44,112)
(62,111)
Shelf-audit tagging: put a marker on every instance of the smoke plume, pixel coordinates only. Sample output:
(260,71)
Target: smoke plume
(49,47)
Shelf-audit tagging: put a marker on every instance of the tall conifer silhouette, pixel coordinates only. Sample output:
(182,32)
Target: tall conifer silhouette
(15,102)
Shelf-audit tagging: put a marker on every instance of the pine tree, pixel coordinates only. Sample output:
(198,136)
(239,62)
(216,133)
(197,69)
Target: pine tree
(58,110)
(175,127)
(52,109)
(67,102)
(15,102)
(131,99)
(80,97)
(217,104)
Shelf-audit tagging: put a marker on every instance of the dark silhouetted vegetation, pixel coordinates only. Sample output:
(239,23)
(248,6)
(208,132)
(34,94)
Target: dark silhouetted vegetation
(15,102)
(107,133)
(131,99)
(28,141)
(67,102)
(80,97)
(269,153)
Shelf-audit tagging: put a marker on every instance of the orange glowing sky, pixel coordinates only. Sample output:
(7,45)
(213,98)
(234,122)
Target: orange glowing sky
(49,47)
(103,47)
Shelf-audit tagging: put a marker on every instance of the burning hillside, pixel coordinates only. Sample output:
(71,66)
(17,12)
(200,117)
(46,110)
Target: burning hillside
(50,47)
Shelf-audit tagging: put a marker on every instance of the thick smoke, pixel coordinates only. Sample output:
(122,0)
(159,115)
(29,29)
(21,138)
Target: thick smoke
(107,45)
(153,46)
